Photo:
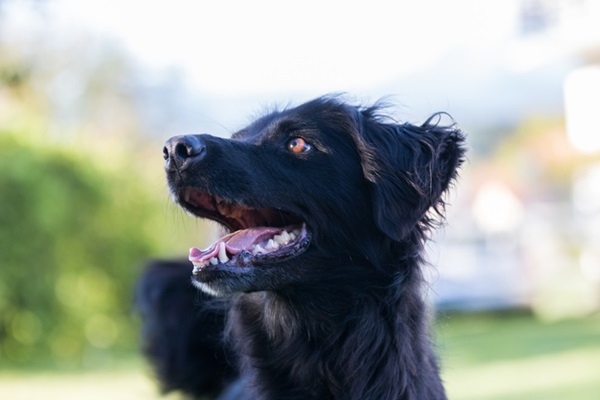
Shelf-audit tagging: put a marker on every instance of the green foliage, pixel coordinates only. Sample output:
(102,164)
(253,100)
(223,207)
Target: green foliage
(83,202)
(72,237)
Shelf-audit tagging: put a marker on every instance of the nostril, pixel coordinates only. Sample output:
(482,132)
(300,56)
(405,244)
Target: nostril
(180,151)
(183,150)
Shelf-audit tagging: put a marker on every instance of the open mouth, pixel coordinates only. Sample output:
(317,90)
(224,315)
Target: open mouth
(257,235)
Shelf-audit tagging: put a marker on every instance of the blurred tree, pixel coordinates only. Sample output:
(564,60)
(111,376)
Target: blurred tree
(82,202)
(71,235)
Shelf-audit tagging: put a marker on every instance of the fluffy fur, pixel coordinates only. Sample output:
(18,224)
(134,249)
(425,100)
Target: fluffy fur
(340,314)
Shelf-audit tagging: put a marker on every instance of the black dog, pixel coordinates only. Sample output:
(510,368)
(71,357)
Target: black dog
(327,206)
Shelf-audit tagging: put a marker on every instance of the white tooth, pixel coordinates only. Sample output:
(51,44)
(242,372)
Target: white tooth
(258,250)
(271,245)
(223,253)
(214,261)
(279,239)
(293,236)
(283,238)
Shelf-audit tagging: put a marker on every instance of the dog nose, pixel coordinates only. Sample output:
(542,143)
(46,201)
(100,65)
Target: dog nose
(179,151)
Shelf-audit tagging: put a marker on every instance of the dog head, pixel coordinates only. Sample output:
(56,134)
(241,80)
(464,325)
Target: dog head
(323,184)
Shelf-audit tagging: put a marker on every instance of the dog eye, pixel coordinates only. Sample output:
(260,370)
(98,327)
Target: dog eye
(298,145)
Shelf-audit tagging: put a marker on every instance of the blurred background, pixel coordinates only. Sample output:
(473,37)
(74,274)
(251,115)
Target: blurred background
(90,90)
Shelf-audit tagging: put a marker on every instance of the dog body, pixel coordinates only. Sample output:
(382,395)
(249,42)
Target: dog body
(328,206)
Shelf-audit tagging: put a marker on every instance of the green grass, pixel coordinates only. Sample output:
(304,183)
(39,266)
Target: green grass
(484,357)
(516,356)
(132,384)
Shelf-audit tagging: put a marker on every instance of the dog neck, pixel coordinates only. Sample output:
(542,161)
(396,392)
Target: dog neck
(351,343)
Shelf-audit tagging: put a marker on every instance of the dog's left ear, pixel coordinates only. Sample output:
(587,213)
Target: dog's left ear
(409,167)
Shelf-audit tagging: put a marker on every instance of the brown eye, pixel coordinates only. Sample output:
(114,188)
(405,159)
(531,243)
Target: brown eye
(298,145)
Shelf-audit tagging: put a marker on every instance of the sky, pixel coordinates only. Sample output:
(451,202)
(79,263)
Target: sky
(243,47)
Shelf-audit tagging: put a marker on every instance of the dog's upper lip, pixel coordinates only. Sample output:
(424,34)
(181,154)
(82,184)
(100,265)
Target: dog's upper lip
(205,205)
(234,215)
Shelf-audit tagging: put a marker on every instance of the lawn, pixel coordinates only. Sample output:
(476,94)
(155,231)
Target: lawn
(516,356)
(484,357)
(121,384)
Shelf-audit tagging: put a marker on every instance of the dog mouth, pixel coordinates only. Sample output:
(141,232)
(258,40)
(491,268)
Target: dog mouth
(258,236)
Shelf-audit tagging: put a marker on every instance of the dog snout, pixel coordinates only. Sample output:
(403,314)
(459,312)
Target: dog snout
(180,151)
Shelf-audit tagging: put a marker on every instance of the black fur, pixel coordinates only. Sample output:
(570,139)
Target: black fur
(341,315)
(182,339)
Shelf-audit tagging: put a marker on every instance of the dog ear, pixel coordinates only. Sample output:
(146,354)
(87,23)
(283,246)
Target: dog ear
(409,167)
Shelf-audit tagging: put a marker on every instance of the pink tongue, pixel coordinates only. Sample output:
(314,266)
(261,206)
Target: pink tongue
(247,238)
(235,242)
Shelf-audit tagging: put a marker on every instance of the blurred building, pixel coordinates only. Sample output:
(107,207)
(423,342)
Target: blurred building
(520,241)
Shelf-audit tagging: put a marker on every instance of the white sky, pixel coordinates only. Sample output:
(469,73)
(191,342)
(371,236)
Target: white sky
(242,47)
